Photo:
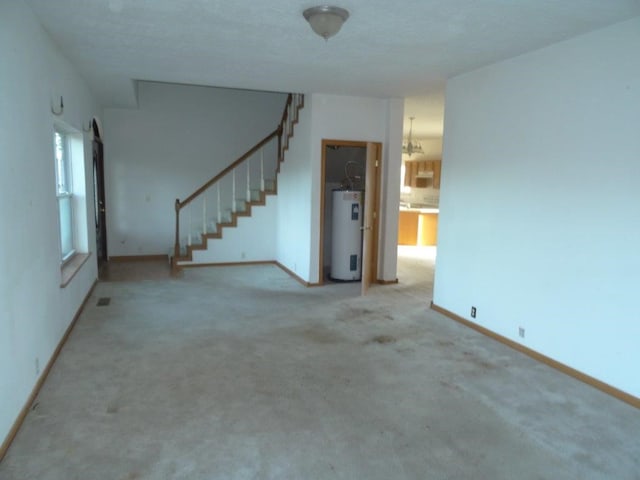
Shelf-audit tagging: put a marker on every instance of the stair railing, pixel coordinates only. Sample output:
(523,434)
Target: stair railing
(216,186)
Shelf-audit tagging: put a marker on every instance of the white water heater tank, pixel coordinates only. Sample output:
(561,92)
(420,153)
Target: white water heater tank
(346,235)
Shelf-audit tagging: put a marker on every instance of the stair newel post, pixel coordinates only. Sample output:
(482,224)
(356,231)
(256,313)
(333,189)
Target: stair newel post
(189,225)
(204,214)
(176,246)
(249,179)
(233,191)
(262,169)
(219,212)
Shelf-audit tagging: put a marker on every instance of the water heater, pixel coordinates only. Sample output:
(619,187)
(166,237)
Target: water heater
(346,235)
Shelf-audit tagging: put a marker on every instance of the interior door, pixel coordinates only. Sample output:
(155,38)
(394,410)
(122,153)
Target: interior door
(99,198)
(370,216)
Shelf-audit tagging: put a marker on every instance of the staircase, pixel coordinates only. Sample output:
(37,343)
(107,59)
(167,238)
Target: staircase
(243,185)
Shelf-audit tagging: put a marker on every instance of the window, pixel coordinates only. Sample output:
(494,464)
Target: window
(71,197)
(69,155)
(64,193)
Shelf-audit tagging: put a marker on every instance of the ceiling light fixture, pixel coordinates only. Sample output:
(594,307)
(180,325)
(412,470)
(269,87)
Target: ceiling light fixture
(408,146)
(326,21)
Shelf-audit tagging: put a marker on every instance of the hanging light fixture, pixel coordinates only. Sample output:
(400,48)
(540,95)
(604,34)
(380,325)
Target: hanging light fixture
(326,21)
(408,146)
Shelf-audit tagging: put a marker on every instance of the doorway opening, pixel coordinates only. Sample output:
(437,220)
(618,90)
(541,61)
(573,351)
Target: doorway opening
(352,169)
(99,196)
(418,218)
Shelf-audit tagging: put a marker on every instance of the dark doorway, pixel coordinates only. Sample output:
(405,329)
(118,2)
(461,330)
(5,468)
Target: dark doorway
(99,196)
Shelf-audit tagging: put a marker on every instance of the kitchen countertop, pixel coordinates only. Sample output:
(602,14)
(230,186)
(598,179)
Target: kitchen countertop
(419,209)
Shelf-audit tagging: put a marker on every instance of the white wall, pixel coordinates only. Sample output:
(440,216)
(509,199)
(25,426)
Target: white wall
(34,310)
(540,204)
(179,137)
(337,118)
(293,235)
(390,193)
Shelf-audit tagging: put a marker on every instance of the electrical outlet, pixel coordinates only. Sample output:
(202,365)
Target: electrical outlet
(521,332)
(473,312)
(37,366)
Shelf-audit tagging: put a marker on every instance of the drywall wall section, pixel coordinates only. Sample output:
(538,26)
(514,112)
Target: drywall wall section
(178,138)
(34,311)
(390,191)
(293,235)
(363,119)
(539,211)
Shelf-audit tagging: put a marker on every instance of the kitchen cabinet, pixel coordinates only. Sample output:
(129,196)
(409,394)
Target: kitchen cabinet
(422,173)
(427,229)
(408,228)
(416,227)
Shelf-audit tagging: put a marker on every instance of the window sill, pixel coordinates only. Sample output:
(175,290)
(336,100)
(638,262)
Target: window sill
(70,268)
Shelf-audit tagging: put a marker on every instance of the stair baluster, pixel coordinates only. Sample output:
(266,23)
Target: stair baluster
(189,226)
(278,142)
(204,214)
(218,204)
(233,191)
(262,169)
(248,180)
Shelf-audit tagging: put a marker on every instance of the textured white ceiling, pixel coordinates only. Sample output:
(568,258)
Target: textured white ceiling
(402,48)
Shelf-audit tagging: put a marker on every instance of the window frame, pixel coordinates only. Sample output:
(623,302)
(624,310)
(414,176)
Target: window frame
(64,192)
